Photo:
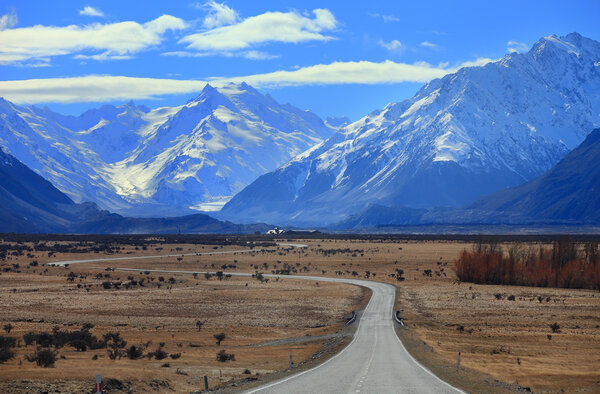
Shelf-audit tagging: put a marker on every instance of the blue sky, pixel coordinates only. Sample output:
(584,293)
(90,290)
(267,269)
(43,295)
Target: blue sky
(332,57)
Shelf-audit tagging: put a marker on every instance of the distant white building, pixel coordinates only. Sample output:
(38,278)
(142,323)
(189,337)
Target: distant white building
(275,231)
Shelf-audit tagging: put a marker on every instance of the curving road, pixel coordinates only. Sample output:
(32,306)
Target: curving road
(69,262)
(374,362)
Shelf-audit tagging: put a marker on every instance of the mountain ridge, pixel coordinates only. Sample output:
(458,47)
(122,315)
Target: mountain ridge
(163,161)
(470,133)
(31,204)
(568,191)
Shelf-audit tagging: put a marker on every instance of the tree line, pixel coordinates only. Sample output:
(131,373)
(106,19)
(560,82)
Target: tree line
(566,264)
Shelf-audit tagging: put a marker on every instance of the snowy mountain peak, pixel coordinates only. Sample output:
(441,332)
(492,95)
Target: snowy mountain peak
(472,132)
(572,43)
(130,159)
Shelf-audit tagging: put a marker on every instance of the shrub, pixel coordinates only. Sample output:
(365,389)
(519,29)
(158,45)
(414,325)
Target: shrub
(223,356)
(8,328)
(80,339)
(175,356)
(134,352)
(555,327)
(159,353)
(43,357)
(6,354)
(565,265)
(220,337)
(511,297)
(7,342)
(399,275)
(114,344)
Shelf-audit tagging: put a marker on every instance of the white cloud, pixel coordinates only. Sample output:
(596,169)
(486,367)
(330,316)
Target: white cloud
(289,27)
(93,88)
(361,72)
(516,46)
(219,14)
(102,57)
(8,20)
(91,11)
(480,61)
(393,45)
(116,39)
(98,88)
(258,55)
(252,55)
(428,44)
(385,18)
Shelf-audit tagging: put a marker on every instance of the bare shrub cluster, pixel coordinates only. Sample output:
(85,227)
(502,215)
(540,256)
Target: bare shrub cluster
(567,264)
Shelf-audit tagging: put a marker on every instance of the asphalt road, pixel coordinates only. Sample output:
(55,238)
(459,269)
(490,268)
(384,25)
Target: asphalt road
(374,362)
(69,262)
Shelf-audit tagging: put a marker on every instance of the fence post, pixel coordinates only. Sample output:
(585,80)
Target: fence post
(291,363)
(205,382)
(458,361)
(98,384)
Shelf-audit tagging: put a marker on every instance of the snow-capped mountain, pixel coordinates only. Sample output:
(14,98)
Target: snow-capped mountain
(164,161)
(469,133)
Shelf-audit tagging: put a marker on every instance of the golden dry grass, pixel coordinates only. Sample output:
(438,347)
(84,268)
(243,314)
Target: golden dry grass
(500,339)
(249,312)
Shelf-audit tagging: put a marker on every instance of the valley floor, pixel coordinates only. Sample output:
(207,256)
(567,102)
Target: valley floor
(506,344)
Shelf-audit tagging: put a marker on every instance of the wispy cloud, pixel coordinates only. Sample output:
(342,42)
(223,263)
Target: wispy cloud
(385,18)
(219,14)
(97,88)
(8,20)
(393,45)
(288,27)
(516,46)
(91,11)
(361,72)
(114,40)
(258,55)
(93,88)
(252,54)
(428,44)
(480,61)
(104,56)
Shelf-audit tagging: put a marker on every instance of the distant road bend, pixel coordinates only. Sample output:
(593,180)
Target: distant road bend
(69,262)
(374,362)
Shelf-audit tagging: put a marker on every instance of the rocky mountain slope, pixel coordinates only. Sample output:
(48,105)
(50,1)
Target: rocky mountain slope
(569,191)
(467,134)
(28,203)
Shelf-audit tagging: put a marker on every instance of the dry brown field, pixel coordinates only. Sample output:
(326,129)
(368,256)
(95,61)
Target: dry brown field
(505,343)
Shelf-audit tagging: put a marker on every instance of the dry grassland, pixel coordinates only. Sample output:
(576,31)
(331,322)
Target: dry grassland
(500,339)
(257,319)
